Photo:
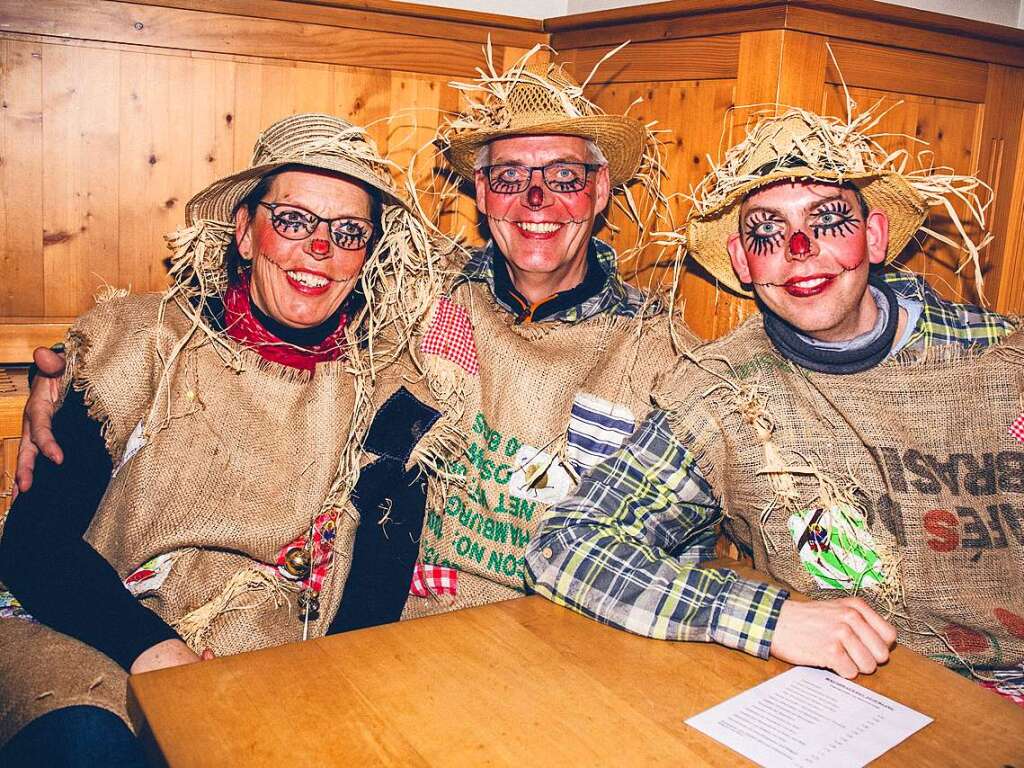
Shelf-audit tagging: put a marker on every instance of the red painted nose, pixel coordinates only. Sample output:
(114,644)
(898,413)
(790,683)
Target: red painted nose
(799,244)
(535,197)
(319,247)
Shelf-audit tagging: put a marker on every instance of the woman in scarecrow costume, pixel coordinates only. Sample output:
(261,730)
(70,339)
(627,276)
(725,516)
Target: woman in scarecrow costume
(213,440)
(546,385)
(856,438)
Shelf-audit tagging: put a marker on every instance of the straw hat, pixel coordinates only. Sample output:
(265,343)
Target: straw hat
(313,140)
(803,145)
(537,99)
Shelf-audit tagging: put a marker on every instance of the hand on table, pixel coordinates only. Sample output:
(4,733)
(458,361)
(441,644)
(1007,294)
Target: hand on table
(37,420)
(168,653)
(845,635)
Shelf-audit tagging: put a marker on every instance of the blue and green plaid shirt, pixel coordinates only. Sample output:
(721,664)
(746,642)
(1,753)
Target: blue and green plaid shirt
(626,548)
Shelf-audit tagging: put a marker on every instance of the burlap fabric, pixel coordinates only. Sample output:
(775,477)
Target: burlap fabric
(900,483)
(515,411)
(234,467)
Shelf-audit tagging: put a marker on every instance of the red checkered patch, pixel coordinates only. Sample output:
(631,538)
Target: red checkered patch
(451,336)
(1017,428)
(430,580)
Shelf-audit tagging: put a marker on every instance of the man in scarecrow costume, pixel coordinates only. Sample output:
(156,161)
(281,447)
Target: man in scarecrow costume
(857,438)
(547,354)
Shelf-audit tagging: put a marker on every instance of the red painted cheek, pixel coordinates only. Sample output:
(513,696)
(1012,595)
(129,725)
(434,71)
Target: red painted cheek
(577,206)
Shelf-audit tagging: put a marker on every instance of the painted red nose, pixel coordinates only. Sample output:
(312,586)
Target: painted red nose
(535,197)
(319,247)
(799,244)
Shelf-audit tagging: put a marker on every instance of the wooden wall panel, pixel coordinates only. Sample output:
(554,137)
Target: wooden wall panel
(80,180)
(104,146)
(939,133)
(21,176)
(693,114)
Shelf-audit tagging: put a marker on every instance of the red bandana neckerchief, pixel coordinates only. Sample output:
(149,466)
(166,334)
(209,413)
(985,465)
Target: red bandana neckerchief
(244,328)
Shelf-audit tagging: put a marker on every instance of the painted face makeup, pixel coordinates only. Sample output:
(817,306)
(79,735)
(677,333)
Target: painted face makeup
(807,247)
(302,282)
(544,234)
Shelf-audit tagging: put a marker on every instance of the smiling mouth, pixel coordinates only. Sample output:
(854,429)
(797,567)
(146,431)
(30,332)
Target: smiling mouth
(809,285)
(539,227)
(307,279)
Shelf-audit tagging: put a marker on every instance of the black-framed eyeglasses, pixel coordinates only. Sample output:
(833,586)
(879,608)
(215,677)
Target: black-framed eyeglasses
(560,176)
(350,233)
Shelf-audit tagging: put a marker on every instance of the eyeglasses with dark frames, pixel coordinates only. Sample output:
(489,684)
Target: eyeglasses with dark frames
(559,176)
(350,233)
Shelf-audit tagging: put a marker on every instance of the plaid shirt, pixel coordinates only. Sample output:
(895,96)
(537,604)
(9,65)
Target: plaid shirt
(616,296)
(626,548)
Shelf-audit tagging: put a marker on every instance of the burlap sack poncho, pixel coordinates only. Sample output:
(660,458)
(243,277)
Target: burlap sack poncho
(234,467)
(901,484)
(528,396)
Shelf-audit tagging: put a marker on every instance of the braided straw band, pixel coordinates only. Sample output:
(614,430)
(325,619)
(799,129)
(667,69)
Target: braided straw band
(534,99)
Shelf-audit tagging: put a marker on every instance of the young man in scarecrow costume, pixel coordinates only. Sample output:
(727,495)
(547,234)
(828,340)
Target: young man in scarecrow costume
(214,436)
(854,438)
(548,355)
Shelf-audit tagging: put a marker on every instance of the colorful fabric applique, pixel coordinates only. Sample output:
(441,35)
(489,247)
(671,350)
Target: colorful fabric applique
(10,608)
(1008,683)
(304,563)
(151,575)
(836,548)
(1017,429)
(541,476)
(430,580)
(597,428)
(451,336)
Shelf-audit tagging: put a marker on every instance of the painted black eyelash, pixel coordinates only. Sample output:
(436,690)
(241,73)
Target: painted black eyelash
(504,187)
(846,225)
(343,238)
(761,244)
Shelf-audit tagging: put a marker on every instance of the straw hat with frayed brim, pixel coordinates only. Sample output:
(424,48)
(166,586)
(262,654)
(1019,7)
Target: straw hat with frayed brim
(321,142)
(798,145)
(542,100)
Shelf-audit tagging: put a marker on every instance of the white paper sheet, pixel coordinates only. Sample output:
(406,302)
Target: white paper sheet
(809,717)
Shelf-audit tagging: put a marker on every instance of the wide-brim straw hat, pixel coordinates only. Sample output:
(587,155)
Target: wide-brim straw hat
(317,141)
(799,145)
(542,99)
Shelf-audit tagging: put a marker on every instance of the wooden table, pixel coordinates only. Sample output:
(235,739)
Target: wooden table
(522,683)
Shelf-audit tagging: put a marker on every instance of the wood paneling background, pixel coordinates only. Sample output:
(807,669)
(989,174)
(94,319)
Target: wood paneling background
(113,113)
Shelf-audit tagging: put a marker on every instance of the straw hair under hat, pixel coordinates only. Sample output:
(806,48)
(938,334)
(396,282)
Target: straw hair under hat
(323,142)
(540,99)
(803,145)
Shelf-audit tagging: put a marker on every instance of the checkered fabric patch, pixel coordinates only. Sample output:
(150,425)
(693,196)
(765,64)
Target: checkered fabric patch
(451,336)
(430,580)
(1017,428)
(323,531)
